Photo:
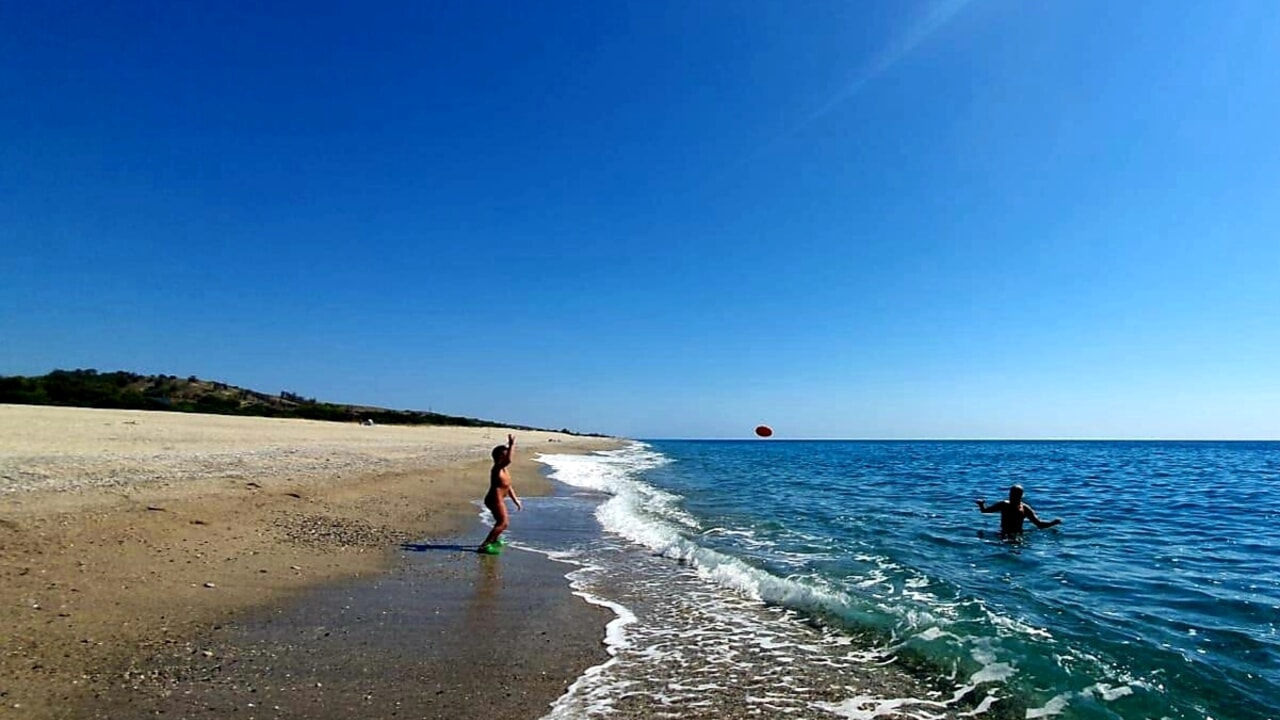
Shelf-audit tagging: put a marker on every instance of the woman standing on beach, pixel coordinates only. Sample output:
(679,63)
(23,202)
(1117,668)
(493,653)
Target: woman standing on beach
(499,490)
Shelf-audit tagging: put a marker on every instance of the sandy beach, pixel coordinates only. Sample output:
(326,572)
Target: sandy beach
(151,561)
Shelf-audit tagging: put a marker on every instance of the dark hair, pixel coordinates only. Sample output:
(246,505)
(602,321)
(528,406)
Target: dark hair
(499,451)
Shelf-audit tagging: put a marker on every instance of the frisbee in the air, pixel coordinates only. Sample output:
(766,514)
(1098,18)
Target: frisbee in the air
(764,430)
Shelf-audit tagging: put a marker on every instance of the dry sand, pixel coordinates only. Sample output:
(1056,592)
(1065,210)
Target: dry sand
(128,538)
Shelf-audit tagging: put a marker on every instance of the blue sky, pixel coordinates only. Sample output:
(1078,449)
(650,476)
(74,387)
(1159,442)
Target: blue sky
(855,219)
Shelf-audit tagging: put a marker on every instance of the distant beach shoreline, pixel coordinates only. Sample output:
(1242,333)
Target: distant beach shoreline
(132,538)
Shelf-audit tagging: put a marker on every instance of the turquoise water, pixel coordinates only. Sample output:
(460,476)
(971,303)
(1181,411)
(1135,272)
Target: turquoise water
(858,579)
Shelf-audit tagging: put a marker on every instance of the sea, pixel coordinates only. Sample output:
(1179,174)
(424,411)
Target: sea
(840,579)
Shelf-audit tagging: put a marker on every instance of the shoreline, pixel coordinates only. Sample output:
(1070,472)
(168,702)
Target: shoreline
(128,532)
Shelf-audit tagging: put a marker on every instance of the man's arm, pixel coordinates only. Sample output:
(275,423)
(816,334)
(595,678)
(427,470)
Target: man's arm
(511,447)
(1030,514)
(984,507)
(511,491)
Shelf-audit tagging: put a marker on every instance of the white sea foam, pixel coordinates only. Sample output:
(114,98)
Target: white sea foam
(866,707)
(1098,691)
(615,640)
(1054,707)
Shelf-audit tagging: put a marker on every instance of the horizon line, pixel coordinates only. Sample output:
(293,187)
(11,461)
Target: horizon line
(956,439)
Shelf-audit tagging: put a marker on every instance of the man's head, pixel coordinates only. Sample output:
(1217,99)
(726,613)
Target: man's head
(499,453)
(1015,494)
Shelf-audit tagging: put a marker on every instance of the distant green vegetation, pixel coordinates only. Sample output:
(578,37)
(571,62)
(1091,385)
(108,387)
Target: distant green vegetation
(126,390)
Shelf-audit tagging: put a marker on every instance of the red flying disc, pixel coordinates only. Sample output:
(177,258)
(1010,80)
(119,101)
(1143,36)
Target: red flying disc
(764,430)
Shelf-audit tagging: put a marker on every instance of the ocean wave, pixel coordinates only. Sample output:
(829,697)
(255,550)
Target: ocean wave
(652,518)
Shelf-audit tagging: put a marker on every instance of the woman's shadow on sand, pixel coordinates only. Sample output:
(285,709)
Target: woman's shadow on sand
(425,547)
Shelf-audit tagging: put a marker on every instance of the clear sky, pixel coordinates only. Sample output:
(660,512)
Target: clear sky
(889,219)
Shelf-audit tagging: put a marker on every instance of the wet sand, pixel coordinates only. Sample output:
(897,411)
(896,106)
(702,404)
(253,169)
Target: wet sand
(449,633)
(137,548)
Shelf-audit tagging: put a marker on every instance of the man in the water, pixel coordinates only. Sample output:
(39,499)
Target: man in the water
(1013,511)
(500,489)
